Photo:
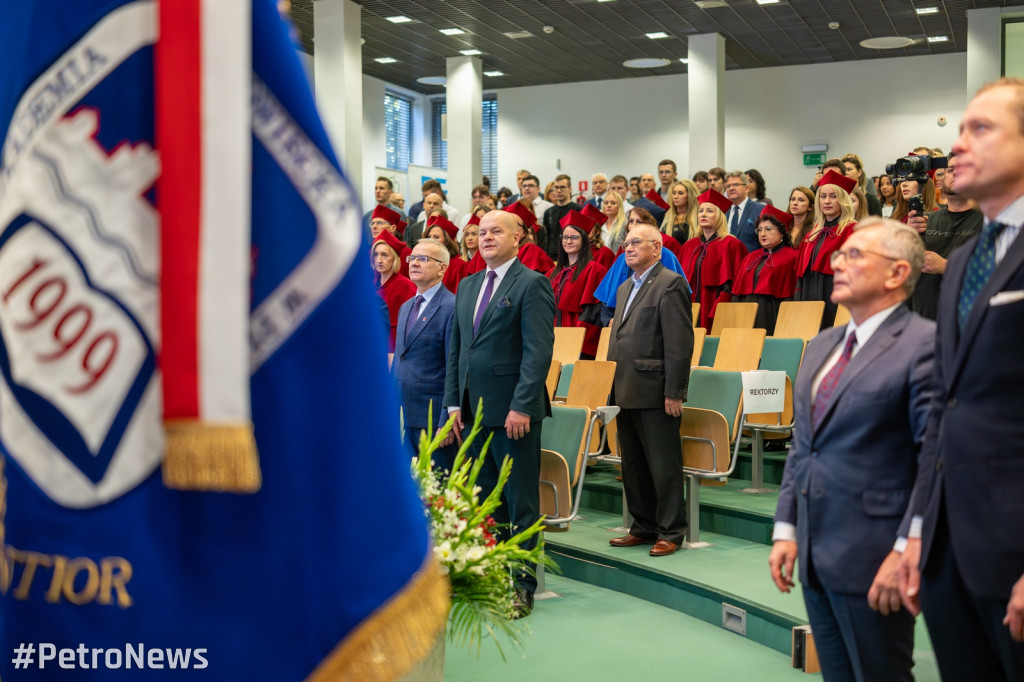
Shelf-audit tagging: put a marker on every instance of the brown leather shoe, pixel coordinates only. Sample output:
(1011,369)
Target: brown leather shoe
(629,540)
(664,548)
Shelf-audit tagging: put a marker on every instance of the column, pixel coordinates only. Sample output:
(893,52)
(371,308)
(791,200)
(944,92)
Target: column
(338,79)
(706,100)
(984,48)
(464,99)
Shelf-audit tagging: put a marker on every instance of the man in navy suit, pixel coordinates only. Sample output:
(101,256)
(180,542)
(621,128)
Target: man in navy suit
(421,347)
(742,218)
(861,403)
(964,563)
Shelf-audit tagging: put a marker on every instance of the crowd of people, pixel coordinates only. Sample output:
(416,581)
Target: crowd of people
(473,298)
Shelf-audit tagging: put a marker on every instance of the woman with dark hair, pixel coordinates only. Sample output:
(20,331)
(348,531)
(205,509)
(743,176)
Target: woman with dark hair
(443,231)
(503,194)
(801,207)
(855,169)
(768,276)
(908,188)
(756,187)
(574,279)
(887,195)
(700,181)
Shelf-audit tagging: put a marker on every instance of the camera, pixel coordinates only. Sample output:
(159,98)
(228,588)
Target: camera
(914,167)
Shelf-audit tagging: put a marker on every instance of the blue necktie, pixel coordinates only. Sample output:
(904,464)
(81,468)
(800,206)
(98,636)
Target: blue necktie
(979,269)
(734,227)
(599,200)
(413,314)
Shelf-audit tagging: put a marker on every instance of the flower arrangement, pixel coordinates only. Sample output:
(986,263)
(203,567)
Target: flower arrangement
(479,566)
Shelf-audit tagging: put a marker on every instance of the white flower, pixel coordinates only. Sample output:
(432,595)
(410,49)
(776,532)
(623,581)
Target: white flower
(443,552)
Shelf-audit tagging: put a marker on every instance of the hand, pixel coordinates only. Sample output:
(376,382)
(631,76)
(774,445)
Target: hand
(1014,619)
(908,575)
(917,222)
(517,425)
(456,431)
(934,263)
(673,407)
(817,178)
(781,560)
(884,594)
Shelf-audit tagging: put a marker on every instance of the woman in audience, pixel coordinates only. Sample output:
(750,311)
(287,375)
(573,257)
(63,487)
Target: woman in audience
(888,195)
(574,279)
(530,255)
(394,288)
(547,192)
(681,219)
(855,169)
(700,181)
(613,233)
(756,187)
(711,260)
(503,194)
(600,253)
(471,236)
(801,207)
(907,189)
(768,276)
(833,225)
(444,231)
(859,203)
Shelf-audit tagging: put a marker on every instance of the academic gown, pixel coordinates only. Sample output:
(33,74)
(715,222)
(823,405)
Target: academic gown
(766,278)
(535,258)
(572,295)
(710,268)
(603,255)
(395,291)
(475,265)
(455,272)
(814,268)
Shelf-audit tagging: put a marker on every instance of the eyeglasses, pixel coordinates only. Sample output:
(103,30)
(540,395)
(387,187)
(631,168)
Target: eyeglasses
(530,185)
(632,243)
(571,238)
(734,184)
(854,255)
(763,230)
(417,258)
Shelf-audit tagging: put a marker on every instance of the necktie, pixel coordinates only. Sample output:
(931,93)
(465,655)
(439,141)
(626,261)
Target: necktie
(488,290)
(979,269)
(599,200)
(831,379)
(413,314)
(734,226)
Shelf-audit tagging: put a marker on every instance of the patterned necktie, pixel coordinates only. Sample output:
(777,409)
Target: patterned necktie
(734,226)
(829,382)
(488,290)
(413,314)
(979,269)
(599,200)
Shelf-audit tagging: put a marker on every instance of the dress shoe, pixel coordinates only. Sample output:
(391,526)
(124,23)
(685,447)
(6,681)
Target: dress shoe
(629,540)
(664,548)
(522,603)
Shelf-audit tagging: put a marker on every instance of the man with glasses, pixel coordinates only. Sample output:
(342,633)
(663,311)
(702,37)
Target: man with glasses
(861,404)
(421,348)
(531,193)
(599,185)
(652,346)
(743,216)
(666,175)
(550,233)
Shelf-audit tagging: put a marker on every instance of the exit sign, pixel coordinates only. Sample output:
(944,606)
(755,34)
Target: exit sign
(814,159)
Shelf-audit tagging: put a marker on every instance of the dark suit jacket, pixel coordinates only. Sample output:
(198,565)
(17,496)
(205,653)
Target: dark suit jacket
(419,365)
(653,346)
(973,459)
(848,483)
(748,224)
(506,363)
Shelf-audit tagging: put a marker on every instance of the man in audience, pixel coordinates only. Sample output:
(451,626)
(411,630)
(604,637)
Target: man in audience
(429,187)
(964,563)
(666,175)
(943,231)
(520,176)
(620,185)
(383,219)
(549,236)
(500,353)
(744,214)
(716,179)
(652,345)
(646,184)
(531,192)
(700,179)
(398,200)
(431,203)
(861,406)
(481,197)
(599,185)
(421,348)
(382,195)
(634,189)
(832,164)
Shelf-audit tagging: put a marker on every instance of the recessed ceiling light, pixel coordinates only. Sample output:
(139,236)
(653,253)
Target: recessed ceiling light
(684,60)
(767,2)
(400,19)
(605,0)
(518,35)
(709,4)
(432,80)
(497,73)
(927,10)
(452,31)
(471,53)
(886,43)
(385,60)
(658,35)
(938,39)
(645,63)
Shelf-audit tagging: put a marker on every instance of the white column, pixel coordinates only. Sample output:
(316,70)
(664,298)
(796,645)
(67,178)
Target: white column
(338,78)
(984,48)
(464,100)
(705,77)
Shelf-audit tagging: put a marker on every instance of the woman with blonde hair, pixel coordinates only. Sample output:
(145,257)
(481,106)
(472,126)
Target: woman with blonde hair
(712,259)
(394,288)
(613,232)
(443,231)
(860,204)
(833,225)
(681,218)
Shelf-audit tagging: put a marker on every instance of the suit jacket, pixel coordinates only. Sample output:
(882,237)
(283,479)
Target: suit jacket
(848,483)
(747,232)
(420,362)
(973,459)
(506,363)
(652,345)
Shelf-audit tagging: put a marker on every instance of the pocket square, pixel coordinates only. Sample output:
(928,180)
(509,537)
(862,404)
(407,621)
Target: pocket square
(1004,297)
(504,302)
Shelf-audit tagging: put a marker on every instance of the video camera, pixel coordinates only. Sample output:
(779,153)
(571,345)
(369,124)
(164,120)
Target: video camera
(915,168)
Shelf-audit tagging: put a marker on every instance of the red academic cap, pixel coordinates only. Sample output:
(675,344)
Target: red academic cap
(785,218)
(656,199)
(391,240)
(577,220)
(528,218)
(833,178)
(445,224)
(591,211)
(393,217)
(473,220)
(719,200)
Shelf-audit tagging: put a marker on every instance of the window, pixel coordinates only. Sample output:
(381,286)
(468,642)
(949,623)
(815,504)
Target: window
(397,131)
(488,138)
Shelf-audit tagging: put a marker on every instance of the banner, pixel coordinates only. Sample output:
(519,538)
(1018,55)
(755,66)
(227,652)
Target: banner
(313,562)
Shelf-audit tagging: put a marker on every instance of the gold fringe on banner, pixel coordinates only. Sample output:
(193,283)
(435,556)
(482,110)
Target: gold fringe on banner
(397,636)
(212,457)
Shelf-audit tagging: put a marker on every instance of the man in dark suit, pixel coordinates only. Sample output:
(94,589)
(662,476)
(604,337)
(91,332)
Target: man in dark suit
(743,216)
(964,563)
(861,405)
(501,348)
(421,348)
(652,345)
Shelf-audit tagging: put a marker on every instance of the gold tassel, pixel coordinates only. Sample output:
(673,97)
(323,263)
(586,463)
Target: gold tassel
(395,637)
(212,457)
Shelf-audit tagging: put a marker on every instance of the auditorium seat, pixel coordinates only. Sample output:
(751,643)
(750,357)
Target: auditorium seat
(733,315)
(591,386)
(551,383)
(739,350)
(563,442)
(699,336)
(799,319)
(568,344)
(602,343)
(708,351)
(842,316)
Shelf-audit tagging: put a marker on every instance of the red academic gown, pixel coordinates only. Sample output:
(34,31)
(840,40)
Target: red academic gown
(708,276)
(475,265)
(535,258)
(775,283)
(814,269)
(603,255)
(455,272)
(570,297)
(667,242)
(396,290)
